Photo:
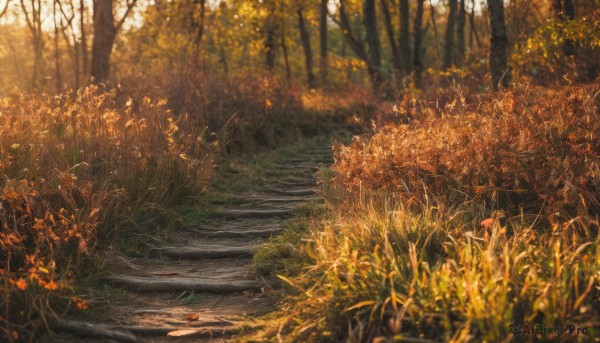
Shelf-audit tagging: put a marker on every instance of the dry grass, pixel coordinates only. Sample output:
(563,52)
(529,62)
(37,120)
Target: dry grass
(532,147)
(251,112)
(444,228)
(77,174)
(427,271)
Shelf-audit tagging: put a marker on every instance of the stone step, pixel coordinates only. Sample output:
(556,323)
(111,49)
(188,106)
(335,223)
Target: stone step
(239,213)
(204,326)
(233,233)
(250,199)
(299,166)
(297,183)
(182,331)
(221,268)
(319,151)
(208,251)
(294,192)
(179,283)
(236,229)
(311,158)
(288,200)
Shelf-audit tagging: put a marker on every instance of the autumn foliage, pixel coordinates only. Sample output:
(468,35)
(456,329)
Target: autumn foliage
(532,147)
(78,172)
(458,215)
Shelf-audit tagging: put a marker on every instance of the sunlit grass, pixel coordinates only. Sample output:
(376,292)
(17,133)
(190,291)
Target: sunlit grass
(428,271)
(456,226)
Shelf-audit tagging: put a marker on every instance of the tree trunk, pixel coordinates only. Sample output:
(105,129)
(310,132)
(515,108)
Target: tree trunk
(396,57)
(372,35)
(449,45)
(286,60)
(5,9)
(418,34)
(356,45)
(499,42)
(565,11)
(308,58)
(33,19)
(84,47)
(460,33)
(569,8)
(405,36)
(323,39)
(223,59)
(199,29)
(57,76)
(557,6)
(270,48)
(569,45)
(104,38)
(435,29)
(473,32)
(373,61)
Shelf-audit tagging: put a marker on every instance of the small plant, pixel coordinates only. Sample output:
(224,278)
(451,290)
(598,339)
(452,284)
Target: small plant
(190,298)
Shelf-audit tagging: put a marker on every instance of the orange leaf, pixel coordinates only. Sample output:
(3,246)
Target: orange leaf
(52,286)
(22,284)
(192,316)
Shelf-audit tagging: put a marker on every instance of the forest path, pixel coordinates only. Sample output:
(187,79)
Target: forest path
(203,284)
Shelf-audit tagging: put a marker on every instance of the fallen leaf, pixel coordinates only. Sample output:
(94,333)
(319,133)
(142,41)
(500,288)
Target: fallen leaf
(193,316)
(184,332)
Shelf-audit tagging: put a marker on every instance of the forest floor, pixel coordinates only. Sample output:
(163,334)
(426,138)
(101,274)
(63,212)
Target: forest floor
(216,272)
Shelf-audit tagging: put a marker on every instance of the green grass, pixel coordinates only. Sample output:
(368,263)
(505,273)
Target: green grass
(196,214)
(280,255)
(254,170)
(237,174)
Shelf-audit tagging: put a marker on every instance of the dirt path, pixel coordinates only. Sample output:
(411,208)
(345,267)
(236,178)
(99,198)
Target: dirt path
(202,285)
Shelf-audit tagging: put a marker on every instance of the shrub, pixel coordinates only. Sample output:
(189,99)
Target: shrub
(528,147)
(248,112)
(433,230)
(542,55)
(78,173)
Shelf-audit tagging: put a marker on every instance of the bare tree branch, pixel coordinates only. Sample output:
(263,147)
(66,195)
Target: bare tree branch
(356,45)
(26,14)
(5,9)
(130,6)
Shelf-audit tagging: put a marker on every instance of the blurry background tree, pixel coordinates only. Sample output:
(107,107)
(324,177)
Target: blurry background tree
(498,59)
(327,43)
